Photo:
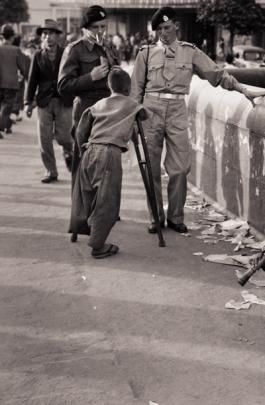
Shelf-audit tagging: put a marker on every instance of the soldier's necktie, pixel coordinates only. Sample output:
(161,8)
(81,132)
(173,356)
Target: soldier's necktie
(169,66)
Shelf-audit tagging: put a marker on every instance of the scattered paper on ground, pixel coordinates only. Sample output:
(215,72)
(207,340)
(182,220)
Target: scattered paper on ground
(256,282)
(212,241)
(252,298)
(233,260)
(232,224)
(232,304)
(249,299)
(214,216)
(257,245)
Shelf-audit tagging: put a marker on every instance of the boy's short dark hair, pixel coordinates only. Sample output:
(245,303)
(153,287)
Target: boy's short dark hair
(119,81)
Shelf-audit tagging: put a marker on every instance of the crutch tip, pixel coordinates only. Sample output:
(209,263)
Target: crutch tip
(73,237)
(162,244)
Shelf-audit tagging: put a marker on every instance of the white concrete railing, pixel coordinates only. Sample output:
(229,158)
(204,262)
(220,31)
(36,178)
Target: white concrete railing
(228,150)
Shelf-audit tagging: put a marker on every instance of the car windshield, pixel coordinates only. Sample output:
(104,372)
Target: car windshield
(250,55)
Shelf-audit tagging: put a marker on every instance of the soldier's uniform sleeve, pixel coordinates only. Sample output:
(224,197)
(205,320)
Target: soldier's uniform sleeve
(138,76)
(70,82)
(83,130)
(207,69)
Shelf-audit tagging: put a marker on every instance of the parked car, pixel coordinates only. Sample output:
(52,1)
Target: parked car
(248,56)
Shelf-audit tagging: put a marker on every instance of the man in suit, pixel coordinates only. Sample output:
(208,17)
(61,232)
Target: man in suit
(12,61)
(54,111)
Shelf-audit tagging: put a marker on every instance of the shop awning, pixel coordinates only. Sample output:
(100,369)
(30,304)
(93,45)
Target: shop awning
(126,3)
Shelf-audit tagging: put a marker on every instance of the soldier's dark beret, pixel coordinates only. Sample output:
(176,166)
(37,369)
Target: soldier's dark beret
(92,14)
(162,15)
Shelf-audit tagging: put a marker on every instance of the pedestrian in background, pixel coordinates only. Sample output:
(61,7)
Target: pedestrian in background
(54,111)
(84,68)
(18,104)
(161,79)
(12,62)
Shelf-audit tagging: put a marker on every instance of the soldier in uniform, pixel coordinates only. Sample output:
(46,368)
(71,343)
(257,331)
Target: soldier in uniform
(83,73)
(84,67)
(160,80)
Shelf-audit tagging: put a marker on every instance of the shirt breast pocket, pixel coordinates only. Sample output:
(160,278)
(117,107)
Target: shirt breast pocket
(155,74)
(183,74)
(88,62)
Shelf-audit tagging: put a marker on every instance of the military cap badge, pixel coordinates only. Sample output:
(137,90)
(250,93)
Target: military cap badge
(162,15)
(102,14)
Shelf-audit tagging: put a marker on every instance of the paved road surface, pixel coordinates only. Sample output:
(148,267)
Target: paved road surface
(146,325)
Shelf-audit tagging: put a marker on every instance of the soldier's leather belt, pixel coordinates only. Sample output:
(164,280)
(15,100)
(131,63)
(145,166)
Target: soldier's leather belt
(168,96)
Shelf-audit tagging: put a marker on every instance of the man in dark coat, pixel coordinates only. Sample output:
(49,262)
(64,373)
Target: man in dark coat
(12,62)
(54,111)
(84,69)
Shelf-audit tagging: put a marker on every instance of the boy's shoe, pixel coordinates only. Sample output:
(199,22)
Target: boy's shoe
(181,228)
(49,179)
(107,250)
(8,131)
(152,228)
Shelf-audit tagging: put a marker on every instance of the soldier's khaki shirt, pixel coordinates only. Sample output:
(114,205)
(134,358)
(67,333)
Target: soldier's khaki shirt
(185,60)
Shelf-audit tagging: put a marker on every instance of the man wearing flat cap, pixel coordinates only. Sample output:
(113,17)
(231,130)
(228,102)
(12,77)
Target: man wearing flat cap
(160,80)
(12,61)
(54,111)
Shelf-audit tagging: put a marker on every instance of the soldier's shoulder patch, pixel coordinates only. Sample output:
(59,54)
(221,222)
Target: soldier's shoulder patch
(183,43)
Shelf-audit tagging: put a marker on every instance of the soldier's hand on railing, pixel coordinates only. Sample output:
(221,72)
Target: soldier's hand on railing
(98,72)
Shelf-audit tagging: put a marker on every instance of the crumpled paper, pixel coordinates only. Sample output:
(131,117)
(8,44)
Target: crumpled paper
(248,298)
(232,260)
(257,245)
(214,216)
(232,304)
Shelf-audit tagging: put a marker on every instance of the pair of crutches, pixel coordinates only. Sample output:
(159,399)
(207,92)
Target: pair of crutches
(146,172)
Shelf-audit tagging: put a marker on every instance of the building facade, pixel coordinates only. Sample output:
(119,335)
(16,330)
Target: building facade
(124,16)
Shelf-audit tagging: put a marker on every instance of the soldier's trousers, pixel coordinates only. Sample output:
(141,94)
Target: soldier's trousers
(168,120)
(54,122)
(100,181)
(7,97)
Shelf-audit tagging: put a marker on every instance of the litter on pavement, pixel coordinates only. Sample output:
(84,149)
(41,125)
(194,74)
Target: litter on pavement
(233,260)
(248,300)
(214,226)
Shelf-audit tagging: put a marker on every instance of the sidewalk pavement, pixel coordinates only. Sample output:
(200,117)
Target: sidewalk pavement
(148,326)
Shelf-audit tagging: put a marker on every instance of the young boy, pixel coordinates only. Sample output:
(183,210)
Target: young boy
(103,132)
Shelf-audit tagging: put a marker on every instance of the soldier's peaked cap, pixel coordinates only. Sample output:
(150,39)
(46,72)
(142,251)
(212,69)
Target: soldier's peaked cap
(93,14)
(162,15)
